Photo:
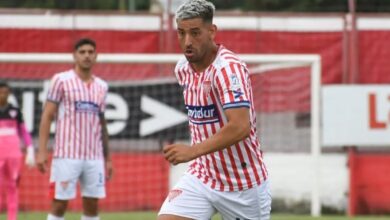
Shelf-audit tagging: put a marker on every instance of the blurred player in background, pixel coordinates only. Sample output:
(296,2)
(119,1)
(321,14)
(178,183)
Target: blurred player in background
(12,129)
(76,98)
(226,173)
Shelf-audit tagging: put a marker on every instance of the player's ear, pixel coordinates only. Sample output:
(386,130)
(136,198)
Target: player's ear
(213,31)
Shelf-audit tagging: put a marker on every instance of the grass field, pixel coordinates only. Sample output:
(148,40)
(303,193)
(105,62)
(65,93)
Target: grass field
(152,216)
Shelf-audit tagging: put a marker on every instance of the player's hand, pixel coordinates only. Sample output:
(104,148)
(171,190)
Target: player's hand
(179,153)
(42,161)
(109,169)
(30,157)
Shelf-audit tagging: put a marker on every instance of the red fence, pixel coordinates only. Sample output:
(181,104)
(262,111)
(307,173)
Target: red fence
(140,182)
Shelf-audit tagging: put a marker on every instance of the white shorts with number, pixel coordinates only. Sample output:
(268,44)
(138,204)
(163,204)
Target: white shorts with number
(65,173)
(191,198)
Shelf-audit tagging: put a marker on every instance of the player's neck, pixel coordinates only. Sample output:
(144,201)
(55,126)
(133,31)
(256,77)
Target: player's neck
(207,60)
(84,74)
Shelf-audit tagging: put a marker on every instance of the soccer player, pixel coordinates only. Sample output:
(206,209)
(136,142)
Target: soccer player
(76,98)
(12,130)
(227,173)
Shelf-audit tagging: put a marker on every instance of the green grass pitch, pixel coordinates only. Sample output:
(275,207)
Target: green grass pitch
(152,216)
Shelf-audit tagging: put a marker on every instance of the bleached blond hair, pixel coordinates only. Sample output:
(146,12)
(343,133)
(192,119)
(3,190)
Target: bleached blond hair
(196,9)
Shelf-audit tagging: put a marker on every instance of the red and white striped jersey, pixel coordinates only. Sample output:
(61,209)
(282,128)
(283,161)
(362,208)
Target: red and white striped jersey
(78,133)
(224,84)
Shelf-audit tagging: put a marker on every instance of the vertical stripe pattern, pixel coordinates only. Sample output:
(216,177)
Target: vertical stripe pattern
(78,129)
(224,84)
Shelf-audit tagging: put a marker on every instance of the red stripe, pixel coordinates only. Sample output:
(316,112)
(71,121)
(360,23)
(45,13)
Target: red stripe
(51,92)
(203,101)
(54,90)
(198,139)
(253,166)
(259,160)
(179,75)
(235,170)
(84,127)
(227,84)
(192,92)
(243,82)
(222,185)
(242,160)
(97,121)
(72,132)
(187,82)
(87,116)
(63,124)
(79,124)
(227,52)
(65,133)
(220,89)
(232,58)
(207,160)
(223,162)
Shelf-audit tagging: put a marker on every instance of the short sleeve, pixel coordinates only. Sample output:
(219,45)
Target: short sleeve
(232,86)
(104,102)
(56,90)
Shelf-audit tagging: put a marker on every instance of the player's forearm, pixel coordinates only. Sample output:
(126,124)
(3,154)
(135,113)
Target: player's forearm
(44,132)
(106,149)
(229,135)
(25,135)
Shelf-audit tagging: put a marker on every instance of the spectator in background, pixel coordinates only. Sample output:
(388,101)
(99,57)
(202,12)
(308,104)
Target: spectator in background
(77,99)
(12,130)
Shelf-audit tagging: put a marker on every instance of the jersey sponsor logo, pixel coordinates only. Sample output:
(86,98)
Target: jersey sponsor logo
(202,114)
(174,193)
(86,107)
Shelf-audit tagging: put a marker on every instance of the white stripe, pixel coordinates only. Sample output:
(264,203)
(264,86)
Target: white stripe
(278,23)
(294,23)
(203,122)
(65,124)
(372,23)
(91,22)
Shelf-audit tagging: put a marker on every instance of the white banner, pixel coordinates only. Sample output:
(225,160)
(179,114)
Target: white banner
(356,115)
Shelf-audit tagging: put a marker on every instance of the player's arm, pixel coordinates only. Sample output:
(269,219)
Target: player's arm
(49,111)
(236,129)
(106,149)
(27,140)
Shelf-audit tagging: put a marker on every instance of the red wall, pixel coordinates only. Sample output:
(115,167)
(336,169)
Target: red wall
(369,183)
(373,49)
(140,182)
